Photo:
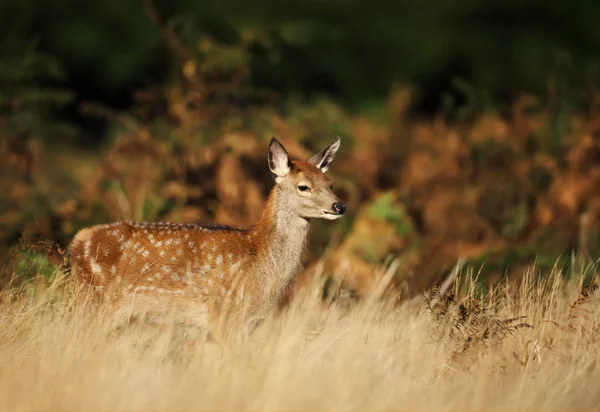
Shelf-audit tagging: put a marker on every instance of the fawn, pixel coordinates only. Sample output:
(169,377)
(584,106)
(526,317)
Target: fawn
(200,272)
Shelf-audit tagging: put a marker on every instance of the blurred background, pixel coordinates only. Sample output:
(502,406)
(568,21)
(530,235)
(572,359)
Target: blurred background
(470,128)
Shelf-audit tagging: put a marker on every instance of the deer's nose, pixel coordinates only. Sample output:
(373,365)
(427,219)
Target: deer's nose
(339,208)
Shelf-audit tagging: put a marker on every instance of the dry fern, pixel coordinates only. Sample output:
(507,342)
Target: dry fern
(469,323)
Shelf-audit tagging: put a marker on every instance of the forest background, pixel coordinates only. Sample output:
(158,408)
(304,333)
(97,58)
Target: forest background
(469,129)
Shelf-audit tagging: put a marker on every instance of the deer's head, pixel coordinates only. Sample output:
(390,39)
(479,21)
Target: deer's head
(305,190)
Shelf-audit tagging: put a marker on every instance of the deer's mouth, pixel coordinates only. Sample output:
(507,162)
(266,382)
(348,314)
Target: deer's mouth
(331,215)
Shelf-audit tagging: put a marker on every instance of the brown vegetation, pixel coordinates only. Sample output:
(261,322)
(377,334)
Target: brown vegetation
(532,347)
(424,193)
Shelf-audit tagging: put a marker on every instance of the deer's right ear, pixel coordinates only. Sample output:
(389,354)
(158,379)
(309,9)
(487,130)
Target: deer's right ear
(279,161)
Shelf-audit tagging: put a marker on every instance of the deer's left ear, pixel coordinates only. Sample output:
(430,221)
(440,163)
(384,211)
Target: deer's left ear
(323,159)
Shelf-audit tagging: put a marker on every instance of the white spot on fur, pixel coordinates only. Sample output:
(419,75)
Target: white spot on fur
(234,266)
(95,267)
(219,260)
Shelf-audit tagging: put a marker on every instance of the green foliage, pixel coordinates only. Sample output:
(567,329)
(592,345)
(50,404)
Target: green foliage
(32,264)
(26,102)
(386,208)
(353,49)
(318,122)
(517,221)
(476,100)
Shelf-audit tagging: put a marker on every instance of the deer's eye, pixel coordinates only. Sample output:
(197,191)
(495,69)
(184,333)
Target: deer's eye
(303,188)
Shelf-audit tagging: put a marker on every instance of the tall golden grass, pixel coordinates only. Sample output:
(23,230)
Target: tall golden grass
(534,346)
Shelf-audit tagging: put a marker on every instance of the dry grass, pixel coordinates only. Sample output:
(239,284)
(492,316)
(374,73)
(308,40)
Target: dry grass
(460,353)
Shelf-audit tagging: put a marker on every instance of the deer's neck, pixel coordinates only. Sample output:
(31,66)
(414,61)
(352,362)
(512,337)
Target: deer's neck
(280,238)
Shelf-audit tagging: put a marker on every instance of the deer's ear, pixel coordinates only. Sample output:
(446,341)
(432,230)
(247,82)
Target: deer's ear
(279,161)
(323,159)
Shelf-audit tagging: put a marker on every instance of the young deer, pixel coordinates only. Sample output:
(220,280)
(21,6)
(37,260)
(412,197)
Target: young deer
(201,272)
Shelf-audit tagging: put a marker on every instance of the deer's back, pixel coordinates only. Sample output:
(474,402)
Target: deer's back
(162,259)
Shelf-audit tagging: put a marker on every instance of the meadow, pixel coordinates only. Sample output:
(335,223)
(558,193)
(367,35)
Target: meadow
(462,277)
(528,346)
